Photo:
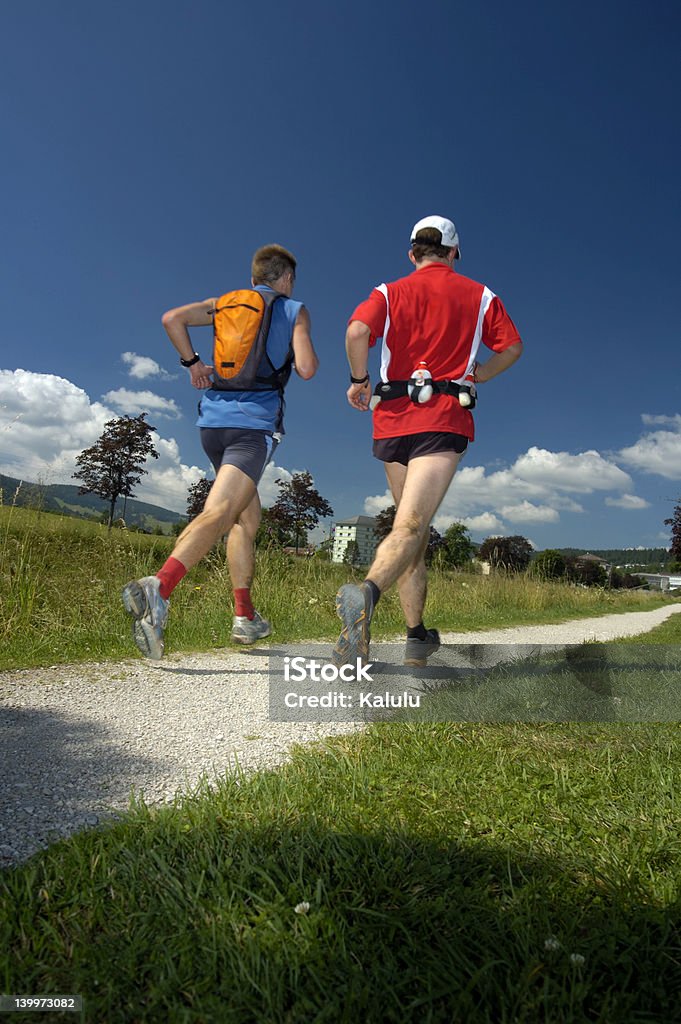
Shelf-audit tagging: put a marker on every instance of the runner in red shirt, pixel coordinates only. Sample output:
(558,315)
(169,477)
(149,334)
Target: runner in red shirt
(431,324)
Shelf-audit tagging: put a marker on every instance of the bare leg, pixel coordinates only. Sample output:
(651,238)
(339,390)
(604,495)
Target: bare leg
(230,495)
(412,585)
(425,484)
(241,545)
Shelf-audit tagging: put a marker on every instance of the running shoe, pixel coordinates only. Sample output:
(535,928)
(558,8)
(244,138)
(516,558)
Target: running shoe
(142,599)
(354,607)
(247,631)
(418,651)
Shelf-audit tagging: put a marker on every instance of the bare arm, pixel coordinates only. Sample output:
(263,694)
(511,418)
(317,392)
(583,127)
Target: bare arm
(499,362)
(304,356)
(357,348)
(176,323)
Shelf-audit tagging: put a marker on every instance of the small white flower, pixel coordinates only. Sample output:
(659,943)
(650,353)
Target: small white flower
(552,943)
(577,959)
(302,908)
(313,600)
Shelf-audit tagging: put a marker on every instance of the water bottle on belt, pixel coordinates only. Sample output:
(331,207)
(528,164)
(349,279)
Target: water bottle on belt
(420,389)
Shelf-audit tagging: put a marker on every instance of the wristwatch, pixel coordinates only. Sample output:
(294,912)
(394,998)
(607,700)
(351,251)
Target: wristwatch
(359,380)
(190,362)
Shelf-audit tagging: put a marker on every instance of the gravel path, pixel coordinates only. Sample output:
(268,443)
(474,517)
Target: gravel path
(77,739)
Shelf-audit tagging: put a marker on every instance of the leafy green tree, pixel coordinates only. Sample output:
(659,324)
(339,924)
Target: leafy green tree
(299,506)
(623,580)
(586,572)
(271,532)
(114,465)
(351,555)
(436,548)
(675,523)
(384,522)
(196,497)
(458,546)
(549,565)
(510,553)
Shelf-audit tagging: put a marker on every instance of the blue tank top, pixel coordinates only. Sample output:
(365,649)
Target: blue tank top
(255,410)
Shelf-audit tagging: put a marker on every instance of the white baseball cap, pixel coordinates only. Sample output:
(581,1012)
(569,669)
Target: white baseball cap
(446,228)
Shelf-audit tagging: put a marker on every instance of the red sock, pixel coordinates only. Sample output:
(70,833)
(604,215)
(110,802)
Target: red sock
(243,604)
(170,575)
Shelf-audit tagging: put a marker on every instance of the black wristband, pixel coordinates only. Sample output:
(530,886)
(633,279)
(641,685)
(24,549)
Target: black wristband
(359,380)
(190,362)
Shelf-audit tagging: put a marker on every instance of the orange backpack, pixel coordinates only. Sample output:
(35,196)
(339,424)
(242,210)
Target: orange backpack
(241,325)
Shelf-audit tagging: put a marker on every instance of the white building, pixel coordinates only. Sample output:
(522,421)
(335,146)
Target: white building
(357,528)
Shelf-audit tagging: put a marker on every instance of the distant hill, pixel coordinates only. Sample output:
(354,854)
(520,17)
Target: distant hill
(65,500)
(639,558)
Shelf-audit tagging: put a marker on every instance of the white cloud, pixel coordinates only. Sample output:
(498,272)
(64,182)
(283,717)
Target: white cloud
(45,422)
(532,490)
(628,501)
(377,502)
(581,474)
(662,421)
(658,451)
(167,479)
(526,512)
(144,366)
(267,488)
(134,402)
(486,523)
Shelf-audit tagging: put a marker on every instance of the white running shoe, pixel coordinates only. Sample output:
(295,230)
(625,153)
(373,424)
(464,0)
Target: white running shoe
(247,631)
(142,599)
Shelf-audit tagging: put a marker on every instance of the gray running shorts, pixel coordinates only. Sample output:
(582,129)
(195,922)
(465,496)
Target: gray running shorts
(248,450)
(411,446)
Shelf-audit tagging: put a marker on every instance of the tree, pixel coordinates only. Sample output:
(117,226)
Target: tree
(196,497)
(549,565)
(435,549)
(458,546)
(113,466)
(675,523)
(324,550)
(384,522)
(299,506)
(587,572)
(510,553)
(271,532)
(351,555)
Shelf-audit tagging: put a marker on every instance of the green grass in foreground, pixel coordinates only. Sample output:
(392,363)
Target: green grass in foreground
(453,873)
(60,582)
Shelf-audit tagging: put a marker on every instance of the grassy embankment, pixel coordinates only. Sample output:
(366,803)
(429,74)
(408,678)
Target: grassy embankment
(60,583)
(445,872)
(453,873)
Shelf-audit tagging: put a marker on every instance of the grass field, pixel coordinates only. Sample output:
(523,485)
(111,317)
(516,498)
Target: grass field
(453,873)
(415,872)
(60,582)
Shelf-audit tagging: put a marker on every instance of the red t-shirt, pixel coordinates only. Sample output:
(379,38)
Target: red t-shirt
(439,317)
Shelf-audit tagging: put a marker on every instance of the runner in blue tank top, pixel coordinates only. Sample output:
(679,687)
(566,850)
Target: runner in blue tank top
(239,432)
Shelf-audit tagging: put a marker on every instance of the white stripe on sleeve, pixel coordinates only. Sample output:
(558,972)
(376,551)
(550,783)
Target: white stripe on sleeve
(386,354)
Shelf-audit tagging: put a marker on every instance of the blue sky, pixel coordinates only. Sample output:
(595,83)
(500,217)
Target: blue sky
(149,148)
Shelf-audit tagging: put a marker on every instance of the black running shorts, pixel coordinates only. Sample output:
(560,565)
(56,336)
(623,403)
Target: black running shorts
(248,450)
(402,449)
